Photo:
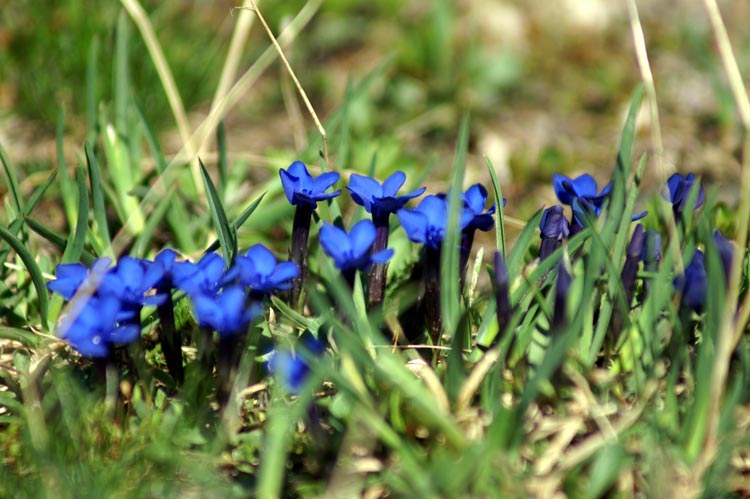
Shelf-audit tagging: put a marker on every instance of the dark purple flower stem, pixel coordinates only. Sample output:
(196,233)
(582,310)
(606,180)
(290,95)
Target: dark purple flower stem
(503,309)
(376,277)
(431,279)
(559,315)
(171,339)
(227,363)
(300,236)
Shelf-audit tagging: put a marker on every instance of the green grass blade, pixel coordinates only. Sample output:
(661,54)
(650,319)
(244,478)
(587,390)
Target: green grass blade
(38,193)
(226,233)
(34,271)
(240,221)
(97,194)
(55,238)
(499,222)
(143,241)
(92,91)
(450,256)
(12,182)
(221,142)
(75,244)
(521,246)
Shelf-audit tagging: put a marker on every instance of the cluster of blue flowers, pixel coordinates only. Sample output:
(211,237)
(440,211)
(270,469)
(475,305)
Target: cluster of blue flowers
(107,299)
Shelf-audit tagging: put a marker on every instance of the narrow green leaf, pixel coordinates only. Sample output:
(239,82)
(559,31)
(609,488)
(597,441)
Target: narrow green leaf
(226,233)
(499,222)
(450,251)
(92,91)
(521,246)
(97,194)
(12,182)
(221,142)
(34,271)
(67,189)
(75,245)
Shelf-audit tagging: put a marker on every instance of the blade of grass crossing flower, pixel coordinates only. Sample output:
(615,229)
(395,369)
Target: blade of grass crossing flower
(225,232)
(34,271)
(100,210)
(177,215)
(74,248)
(499,222)
(449,257)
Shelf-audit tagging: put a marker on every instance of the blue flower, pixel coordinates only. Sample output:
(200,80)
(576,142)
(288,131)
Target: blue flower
(693,283)
(554,225)
(291,369)
(204,277)
(352,251)
(91,326)
(301,188)
(127,282)
(584,188)
(380,200)
(475,199)
(69,277)
(228,312)
(427,224)
(679,188)
(259,270)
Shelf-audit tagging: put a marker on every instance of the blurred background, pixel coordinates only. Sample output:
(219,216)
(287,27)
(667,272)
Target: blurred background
(546,83)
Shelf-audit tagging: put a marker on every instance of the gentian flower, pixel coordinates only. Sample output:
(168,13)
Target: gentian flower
(69,277)
(89,325)
(475,199)
(127,282)
(581,195)
(633,257)
(291,369)
(554,228)
(204,276)
(351,252)
(228,313)
(427,224)
(582,188)
(161,273)
(259,270)
(380,200)
(677,192)
(693,284)
(304,191)
(301,188)
(726,252)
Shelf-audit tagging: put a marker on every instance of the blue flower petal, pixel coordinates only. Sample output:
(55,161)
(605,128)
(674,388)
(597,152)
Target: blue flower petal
(392,184)
(415,224)
(336,244)
(383,256)
(362,235)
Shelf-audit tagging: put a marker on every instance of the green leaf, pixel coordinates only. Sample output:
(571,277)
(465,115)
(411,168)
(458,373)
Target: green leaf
(74,248)
(33,269)
(499,222)
(100,210)
(450,251)
(56,238)
(12,181)
(240,221)
(226,233)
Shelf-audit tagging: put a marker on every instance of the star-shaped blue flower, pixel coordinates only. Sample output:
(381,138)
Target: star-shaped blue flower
(69,277)
(475,199)
(678,190)
(259,270)
(427,223)
(292,369)
(584,187)
(301,188)
(91,326)
(229,313)
(380,200)
(352,251)
(204,276)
